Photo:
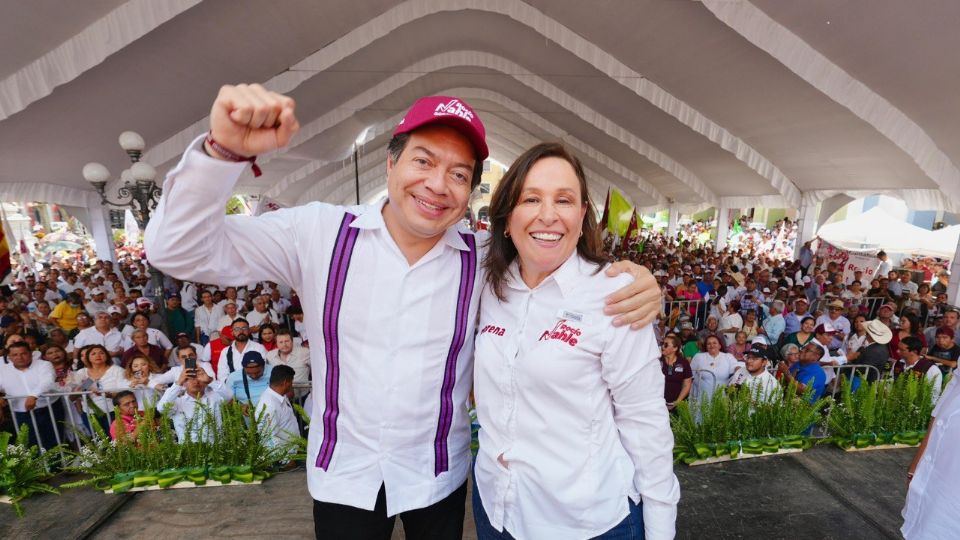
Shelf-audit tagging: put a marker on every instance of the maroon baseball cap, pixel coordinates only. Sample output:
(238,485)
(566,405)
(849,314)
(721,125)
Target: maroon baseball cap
(449,111)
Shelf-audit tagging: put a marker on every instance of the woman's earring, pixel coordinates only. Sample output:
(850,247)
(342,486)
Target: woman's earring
(581,233)
(506,234)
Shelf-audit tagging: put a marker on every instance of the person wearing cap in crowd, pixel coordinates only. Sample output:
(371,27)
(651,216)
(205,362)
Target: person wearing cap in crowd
(97,302)
(913,362)
(274,411)
(754,375)
(807,371)
(840,324)
(887,314)
(950,319)
(875,353)
(824,336)
(395,264)
(193,392)
(179,320)
(102,333)
(230,313)
(945,351)
(181,341)
(248,383)
(117,318)
(206,318)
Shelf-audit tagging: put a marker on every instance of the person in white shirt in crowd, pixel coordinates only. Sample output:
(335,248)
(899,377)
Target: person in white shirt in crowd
(730,323)
(857,339)
(932,508)
(102,333)
(231,356)
(206,318)
(395,279)
(26,376)
(825,335)
(916,364)
(193,393)
(551,371)
(907,286)
(754,375)
(274,411)
(141,321)
(101,377)
(261,314)
(853,292)
(835,319)
(188,296)
(290,354)
(181,341)
(712,368)
(139,374)
(278,303)
(97,301)
(230,314)
(186,355)
(229,295)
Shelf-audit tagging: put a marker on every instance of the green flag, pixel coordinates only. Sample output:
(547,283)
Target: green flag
(619,214)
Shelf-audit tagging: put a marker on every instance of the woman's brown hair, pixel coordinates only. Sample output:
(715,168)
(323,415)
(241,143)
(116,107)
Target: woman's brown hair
(151,365)
(500,249)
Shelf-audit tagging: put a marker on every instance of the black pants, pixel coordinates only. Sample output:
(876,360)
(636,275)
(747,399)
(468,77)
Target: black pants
(46,429)
(442,520)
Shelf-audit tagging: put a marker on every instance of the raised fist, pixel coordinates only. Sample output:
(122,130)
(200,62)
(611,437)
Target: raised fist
(249,120)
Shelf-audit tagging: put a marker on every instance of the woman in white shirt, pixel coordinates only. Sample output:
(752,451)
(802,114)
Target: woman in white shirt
(101,377)
(720,366)
(141,321)
(574,434)
(731,322)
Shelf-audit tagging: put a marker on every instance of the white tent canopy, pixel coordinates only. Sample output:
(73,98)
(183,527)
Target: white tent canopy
(729,103)
(877,229)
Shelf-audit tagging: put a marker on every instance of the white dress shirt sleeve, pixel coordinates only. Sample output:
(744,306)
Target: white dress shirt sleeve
(169,398)
(631,369)
(45,381)
(191,238)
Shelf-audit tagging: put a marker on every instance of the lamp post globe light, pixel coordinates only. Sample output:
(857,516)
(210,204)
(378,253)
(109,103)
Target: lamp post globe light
(137,191)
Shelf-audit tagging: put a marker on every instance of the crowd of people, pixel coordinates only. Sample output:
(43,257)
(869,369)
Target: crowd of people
(79,339)
(750,314)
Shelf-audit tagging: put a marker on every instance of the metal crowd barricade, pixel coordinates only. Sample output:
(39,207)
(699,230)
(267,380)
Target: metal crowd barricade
(74,418)
(697,389)
(695,310)
(854,370)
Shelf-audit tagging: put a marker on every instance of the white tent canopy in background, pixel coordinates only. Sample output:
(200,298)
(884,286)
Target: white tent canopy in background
(877,229)
(730,103)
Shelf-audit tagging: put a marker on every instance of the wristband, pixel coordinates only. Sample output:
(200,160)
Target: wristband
(230,156)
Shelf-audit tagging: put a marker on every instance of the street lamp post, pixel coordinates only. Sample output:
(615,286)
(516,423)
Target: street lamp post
(138,191)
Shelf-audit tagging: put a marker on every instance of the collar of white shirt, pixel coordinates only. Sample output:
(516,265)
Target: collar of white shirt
(567,277)
(372,218)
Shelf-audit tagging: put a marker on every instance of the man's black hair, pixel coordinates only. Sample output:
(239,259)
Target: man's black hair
(281,374)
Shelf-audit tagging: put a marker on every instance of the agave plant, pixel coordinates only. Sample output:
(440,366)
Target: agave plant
(234,448)
(24,470)
(740,420)
(882,412)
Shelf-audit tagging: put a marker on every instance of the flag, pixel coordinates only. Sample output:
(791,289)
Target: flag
(130,228)
(267,204)
(619,213)
(631,236)
(736,227)
(5,266)
(604,233)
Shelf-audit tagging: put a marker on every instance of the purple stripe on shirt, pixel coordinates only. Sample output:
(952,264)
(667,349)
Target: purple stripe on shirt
(467,274)
(336,279)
